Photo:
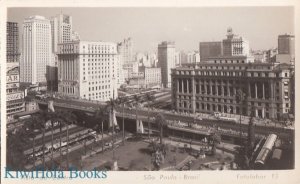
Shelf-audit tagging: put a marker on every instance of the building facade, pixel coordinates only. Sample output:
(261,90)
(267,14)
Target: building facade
(193,57)
(286,44)
(286,49)
(152,76)
(61,30)
(270,55)
(14,97)
(210,49)
(166,61)
(125,49)
(87,70)
(37,50)
(235,45)
(212,87)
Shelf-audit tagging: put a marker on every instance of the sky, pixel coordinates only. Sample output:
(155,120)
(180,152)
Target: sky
(186,26)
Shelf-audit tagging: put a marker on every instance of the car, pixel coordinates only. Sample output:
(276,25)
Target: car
(108,144)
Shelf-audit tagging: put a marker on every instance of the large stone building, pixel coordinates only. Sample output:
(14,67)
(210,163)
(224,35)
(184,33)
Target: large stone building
(15,97)
(37,50)
(212,87)
(166,61)
(88,70)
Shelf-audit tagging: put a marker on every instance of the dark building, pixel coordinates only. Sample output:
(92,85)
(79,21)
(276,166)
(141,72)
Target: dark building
(210,49)
(286,44)
(12,43)
(52,78)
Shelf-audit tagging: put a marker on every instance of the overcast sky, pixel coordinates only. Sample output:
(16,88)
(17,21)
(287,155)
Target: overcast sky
(186,26)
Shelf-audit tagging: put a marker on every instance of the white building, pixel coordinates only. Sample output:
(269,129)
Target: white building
(235,45)
(166,61)
(193,57)
(61,30)
(125,49)
(36,52)
(177,58)
(75,36)
(88,70)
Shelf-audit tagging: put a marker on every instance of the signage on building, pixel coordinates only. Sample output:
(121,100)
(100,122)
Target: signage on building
(15,96)
(12,78)
(12,85)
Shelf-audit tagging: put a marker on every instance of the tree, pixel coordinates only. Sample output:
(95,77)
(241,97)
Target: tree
(102,113)
(213,140)
(160,120)
(33,126)
(240,99)
(63,117)
(67,117)
(16,142)
(251,137)
(149,98)
(122,100)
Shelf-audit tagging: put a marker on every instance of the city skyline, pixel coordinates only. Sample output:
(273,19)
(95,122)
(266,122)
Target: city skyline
(187,28)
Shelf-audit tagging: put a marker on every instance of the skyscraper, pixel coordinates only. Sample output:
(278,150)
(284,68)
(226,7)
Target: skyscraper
(125,49)
(36,50)
(166,61)
(235,45)
(15,98)
(61,30)
(286,49)
(286,44)
(210,49)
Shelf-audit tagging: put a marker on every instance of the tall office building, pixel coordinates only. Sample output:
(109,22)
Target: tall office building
(15,97)
(286,49)
(88,70)
(235,45)
(125,49)
(210,49)
(166,61)
(286,44)
(61,30)
(36,50)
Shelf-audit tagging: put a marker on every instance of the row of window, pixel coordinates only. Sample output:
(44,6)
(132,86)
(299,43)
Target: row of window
(99,88)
